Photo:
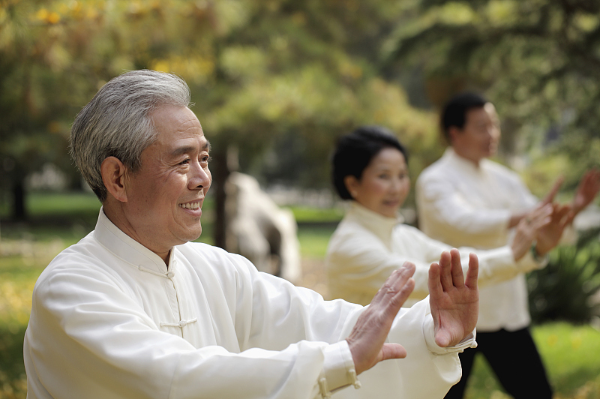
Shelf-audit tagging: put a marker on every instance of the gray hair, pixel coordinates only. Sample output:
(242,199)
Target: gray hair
(116,122)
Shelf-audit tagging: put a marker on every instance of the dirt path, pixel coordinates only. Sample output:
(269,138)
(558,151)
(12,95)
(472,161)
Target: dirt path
(314,276)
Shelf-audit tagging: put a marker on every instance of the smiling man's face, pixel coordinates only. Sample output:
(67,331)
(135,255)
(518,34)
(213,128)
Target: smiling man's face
(166,194)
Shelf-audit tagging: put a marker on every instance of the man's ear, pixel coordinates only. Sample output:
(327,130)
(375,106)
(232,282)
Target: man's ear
(113,176)
(453,133)
(351,184)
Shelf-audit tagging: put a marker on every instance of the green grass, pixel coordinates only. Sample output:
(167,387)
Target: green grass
(59,207)
(306,214)
(570,354)
(18,274)
(314,240)
(60,204)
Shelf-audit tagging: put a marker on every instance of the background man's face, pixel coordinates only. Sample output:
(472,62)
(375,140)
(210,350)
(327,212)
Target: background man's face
(166,195)
(479,137)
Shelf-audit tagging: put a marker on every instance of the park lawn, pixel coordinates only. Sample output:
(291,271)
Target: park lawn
(571,355)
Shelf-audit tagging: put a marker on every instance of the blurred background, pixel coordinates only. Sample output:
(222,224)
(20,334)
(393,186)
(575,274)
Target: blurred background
(274,83)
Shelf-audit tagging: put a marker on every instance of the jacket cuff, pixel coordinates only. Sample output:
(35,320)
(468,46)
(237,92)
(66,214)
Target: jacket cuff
(429,333)
(338,369)
(528,263)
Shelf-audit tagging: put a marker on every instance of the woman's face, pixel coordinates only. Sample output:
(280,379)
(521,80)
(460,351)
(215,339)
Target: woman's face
(384,184)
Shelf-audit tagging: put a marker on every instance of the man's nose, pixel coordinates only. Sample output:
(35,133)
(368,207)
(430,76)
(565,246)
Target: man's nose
(493,132)
(200,177)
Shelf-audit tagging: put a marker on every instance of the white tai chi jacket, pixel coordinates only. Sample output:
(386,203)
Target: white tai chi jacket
(109,320)
(461,204)
(367,247)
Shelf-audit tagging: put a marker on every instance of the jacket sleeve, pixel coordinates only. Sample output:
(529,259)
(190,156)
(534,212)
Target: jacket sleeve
(438,199)
(360,263)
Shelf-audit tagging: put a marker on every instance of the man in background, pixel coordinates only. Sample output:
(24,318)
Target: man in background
(464,199)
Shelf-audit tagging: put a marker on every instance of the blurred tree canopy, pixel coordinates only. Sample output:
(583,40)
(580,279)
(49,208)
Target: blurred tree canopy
(262,74)
(281,79)
(537,60)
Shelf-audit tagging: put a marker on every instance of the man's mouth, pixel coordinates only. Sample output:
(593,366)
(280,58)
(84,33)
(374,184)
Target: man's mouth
(191,205)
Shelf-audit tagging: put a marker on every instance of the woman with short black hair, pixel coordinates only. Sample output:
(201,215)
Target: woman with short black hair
(370,170)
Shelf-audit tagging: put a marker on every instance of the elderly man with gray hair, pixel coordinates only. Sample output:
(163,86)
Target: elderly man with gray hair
(136,310)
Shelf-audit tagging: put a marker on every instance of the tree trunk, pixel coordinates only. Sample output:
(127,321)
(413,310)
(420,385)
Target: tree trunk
(19,210)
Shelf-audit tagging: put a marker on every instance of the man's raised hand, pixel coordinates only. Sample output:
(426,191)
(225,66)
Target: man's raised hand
(588,189)
(454,301)
(367,338)
(549,235)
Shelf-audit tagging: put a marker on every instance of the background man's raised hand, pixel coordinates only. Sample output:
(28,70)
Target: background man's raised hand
(528,228)
(549,235)
(588,188)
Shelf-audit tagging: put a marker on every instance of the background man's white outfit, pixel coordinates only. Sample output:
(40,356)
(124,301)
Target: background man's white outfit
(461,204)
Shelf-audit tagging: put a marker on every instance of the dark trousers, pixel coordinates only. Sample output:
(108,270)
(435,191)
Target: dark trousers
(513,357)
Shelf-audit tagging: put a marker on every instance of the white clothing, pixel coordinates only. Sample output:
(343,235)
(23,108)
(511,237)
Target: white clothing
(367,247)
(461,204)
(109,320)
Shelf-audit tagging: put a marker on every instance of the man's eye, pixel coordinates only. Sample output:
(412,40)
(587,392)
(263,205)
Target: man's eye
(206,159)
(185,161)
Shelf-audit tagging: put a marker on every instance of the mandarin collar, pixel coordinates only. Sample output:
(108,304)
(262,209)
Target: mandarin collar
(379,225)
(453,158)
(126,248)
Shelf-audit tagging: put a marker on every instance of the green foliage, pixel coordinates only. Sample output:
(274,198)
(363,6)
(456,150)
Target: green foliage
(565,288)
(258,71)
(537,60)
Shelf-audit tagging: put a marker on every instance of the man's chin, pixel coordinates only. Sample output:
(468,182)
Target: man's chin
(197,236)
(191,235)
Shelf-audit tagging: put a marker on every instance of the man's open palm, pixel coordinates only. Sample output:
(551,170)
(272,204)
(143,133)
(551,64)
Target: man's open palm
(454,301)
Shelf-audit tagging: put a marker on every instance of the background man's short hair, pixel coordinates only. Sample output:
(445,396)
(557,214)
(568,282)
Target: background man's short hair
(116,122)
(455,111)
(354,152)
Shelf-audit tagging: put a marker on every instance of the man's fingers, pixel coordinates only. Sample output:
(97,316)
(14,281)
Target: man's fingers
(434,284)
(446,270)
(442,338)
(395,291)
(591,180)
(458,279)
(473,272)
(392,351)
(550,196)
(401,296)
(395,282)
(564,215)
(539,217)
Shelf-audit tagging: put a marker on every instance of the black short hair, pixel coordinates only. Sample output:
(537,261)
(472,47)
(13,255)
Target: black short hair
(455,110)
(354,152)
